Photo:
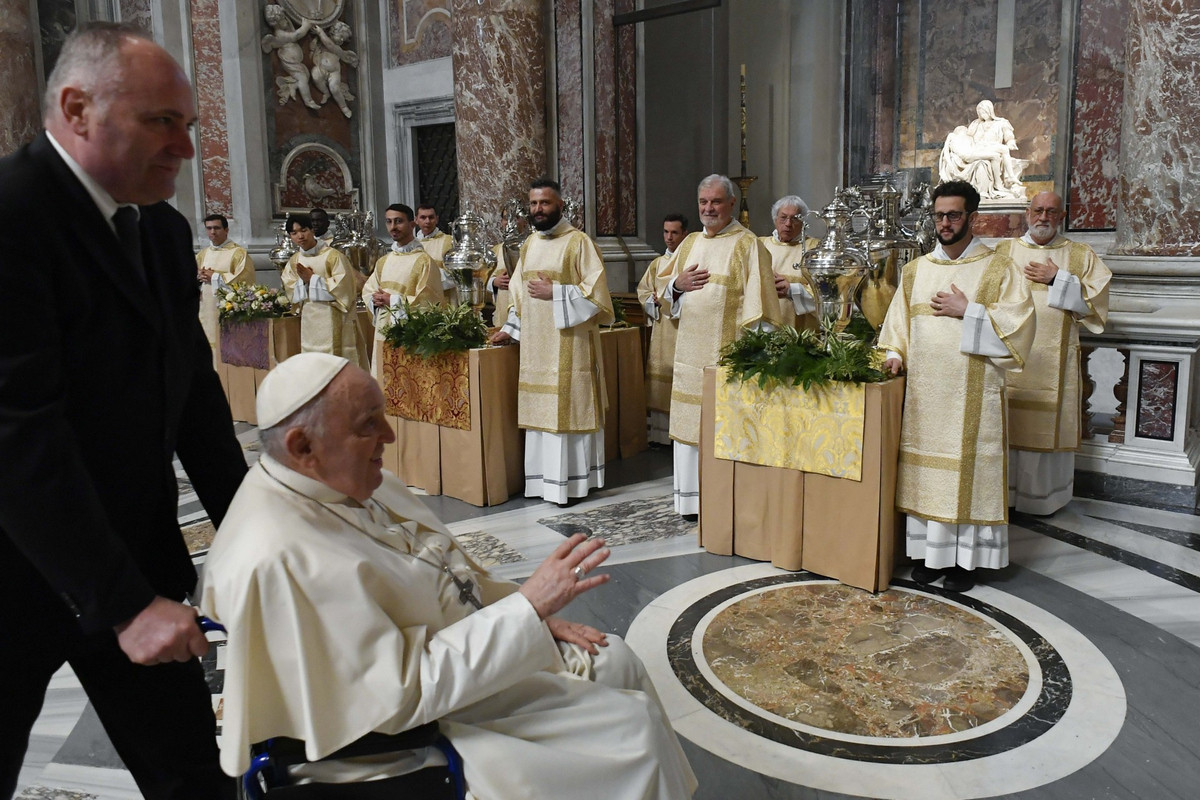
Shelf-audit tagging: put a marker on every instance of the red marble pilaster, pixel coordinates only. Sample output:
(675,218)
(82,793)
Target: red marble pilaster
(1159,194)
(19,117)
(568,76)
(626,91)
(605,116)
(1096,132)
(212,136)
(499,99)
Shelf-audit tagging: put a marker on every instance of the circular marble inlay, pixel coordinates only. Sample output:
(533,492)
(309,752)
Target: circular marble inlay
(908,693)
(834,658)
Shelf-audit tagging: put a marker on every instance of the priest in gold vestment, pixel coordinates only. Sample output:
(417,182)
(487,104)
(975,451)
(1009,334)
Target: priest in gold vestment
(960,321)
(436,243)
(405,276)
(351,609)
(321,283)
(1069,284)
(660,361)
(222,264)
(797,304)
(559,300)
(720,284)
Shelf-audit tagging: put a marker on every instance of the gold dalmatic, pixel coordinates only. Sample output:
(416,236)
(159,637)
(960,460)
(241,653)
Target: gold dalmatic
(785,261)
(660,362)
(329,327)
(1044,398)
(234,266)
(561,387)
(953,441)
(740,293)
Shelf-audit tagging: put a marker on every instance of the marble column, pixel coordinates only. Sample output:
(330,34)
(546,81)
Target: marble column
(212,136)
(20,119)
(499,100)
(1159,195)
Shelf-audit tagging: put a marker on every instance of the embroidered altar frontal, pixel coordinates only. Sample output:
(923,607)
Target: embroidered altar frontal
(427,389)
(818,431)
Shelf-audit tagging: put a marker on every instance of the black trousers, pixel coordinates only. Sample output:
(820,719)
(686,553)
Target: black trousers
(158,718)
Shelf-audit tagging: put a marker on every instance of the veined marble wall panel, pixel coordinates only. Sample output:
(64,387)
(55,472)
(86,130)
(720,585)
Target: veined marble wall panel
(19,117)
(949,58)
(1096,105)
(499,99)
(627,128)
(418,30)
(568,39)
(320,146)
(605,117)
(1160,136)
(137,12)
(212,135)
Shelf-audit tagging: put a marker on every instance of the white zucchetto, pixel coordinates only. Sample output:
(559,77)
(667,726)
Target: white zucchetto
(293,383)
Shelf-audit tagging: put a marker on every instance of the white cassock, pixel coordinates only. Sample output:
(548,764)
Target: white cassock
(345,619)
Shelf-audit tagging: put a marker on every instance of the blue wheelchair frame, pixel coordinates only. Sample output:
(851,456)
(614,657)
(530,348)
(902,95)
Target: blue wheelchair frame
(262,764)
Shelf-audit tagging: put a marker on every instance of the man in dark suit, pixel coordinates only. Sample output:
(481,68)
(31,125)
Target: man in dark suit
(104,374)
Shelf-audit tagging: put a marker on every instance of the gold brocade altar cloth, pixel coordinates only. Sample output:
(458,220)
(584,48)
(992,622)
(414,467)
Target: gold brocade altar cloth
(818,431)
(844,529)
(422,389)
(480,462)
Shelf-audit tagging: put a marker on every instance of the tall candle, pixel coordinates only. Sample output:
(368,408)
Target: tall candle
(743,88)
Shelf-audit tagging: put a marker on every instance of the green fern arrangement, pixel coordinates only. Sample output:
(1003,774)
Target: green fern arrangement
(800,358)
(429,331)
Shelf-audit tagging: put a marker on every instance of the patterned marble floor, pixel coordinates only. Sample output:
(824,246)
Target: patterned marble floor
(1104,593)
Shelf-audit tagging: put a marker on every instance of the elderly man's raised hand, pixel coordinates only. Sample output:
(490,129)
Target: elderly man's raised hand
(563,576)
(162,631)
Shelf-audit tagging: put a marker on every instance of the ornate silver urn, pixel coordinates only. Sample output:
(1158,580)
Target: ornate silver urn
(354,235)
(837,267)
(888,248)
(282,252)
(470,260)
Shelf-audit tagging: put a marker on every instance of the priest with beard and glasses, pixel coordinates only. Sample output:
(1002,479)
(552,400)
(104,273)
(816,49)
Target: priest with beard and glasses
(560,298)
(1069,284)
(961,319)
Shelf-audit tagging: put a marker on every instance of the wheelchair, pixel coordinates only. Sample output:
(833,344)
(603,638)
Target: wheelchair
(267,778)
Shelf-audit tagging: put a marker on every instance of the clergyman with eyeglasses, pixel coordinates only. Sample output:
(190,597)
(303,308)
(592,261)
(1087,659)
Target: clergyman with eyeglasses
(787,244)
(1069,284)
(960,321)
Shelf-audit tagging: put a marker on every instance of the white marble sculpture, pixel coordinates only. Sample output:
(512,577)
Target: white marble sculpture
(327,57)
(981,154)
(326,49)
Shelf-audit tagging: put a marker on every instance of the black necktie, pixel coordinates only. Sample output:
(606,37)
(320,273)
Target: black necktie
(126,221)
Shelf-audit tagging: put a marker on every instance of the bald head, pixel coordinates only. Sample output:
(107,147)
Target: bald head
(122,107)
(1044,217)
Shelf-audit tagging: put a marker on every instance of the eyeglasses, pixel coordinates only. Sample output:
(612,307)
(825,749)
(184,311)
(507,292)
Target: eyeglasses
(794,218)
(953,216)
(1049,212)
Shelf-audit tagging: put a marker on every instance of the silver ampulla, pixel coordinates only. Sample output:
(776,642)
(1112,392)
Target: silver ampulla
(470,260)
(836,267)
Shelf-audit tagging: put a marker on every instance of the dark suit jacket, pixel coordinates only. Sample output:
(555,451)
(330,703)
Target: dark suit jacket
(103,377)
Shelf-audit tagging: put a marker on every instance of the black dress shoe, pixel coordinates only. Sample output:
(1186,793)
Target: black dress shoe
(924,575)
(959,580)
(690,517)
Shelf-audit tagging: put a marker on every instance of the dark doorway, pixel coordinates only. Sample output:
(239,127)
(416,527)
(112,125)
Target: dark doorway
(437,171)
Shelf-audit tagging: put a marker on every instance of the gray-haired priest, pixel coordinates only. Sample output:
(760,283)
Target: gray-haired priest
(1069,284)
(352,609)
(720,284)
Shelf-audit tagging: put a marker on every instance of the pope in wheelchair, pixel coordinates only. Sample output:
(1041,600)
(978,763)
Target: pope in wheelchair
(351,610)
